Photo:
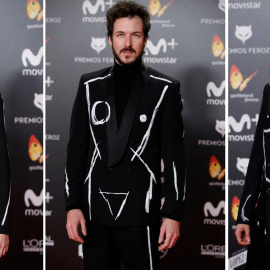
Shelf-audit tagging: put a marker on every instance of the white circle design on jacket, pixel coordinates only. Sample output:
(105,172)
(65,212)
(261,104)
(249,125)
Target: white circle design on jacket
(93,114)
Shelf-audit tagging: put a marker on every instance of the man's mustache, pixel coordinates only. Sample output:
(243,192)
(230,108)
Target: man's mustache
(128,49)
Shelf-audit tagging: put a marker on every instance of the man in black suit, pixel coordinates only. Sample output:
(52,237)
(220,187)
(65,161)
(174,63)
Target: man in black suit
(124,120)
(4,187)
(253,222)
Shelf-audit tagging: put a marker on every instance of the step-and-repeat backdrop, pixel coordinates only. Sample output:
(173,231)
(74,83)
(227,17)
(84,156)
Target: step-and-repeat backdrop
(21,58)
(249,49)
(186,42)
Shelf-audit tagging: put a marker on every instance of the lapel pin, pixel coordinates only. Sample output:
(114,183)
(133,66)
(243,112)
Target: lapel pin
(143,118)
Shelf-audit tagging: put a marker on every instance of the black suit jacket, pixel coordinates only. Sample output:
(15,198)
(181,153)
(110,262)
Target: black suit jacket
(255,201)
(4,177)
(114,175)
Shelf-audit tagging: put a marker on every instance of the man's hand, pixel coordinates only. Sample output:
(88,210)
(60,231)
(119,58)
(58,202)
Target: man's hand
(4,242)
(170,231)
(242,234)
(74,219)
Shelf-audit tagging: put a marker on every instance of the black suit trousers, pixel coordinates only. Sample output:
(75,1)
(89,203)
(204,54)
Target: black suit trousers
(258,253)
(106,247)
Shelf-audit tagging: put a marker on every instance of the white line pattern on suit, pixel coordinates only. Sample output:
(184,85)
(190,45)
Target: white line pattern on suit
(162,79)
(152,178)
(93,161)
(106,201)
(149,248)
(265,131)
(97,78)
(244,218)
(96,152)
(5,216)
(184,196)
(66,185)
(92,133)
(175,181)
(93,114)
(113,193)
(146,136)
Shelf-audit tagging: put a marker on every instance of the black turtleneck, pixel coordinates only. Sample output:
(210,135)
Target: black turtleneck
(123,83)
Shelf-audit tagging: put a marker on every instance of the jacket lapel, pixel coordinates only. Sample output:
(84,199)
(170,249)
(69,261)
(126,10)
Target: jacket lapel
(117,139)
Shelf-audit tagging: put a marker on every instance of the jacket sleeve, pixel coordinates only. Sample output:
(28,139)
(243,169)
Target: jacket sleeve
(77,150)
(254,172)
(173,154)
(4,177)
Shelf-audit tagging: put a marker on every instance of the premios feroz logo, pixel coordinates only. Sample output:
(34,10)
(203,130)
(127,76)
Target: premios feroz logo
(221,6)
(95,7)
(37,101)
(98,45)
(244,33)
(219,128)
(242,166)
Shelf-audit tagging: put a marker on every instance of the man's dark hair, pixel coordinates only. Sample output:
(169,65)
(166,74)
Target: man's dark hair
(130,9)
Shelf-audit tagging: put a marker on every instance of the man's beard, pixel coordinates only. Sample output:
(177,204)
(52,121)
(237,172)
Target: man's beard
(137,59)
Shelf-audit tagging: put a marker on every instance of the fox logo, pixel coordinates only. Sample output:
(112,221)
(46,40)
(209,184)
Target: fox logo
(217,91)
(98,44)
(242,165)
(214,211)
(221,5)
(38,101)
(243,33)
(93,9)
(238,126)
(29,195)
(220,127)
(154,50)
(34,60)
